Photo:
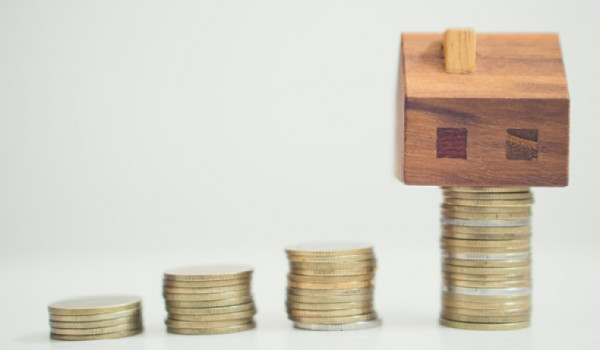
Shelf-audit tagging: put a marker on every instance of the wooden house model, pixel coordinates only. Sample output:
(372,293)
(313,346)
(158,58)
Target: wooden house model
(500,119)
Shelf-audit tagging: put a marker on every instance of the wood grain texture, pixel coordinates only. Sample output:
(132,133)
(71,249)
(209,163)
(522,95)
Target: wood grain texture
(459,50)
(508,66)
(519,85)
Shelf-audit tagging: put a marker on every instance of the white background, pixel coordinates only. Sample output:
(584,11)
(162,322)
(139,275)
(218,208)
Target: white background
(141,135)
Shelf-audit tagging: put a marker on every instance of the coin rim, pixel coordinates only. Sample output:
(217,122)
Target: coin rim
(209,331)
(115,335)
(484,326)
(344,327)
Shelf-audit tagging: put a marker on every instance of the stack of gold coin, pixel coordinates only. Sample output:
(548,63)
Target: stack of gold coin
(486,257)
(97,317)
(211,299)
(330,286)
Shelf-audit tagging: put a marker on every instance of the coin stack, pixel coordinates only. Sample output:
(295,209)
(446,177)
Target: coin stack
(98,317)
(330,286)
(486,257)
(211,299)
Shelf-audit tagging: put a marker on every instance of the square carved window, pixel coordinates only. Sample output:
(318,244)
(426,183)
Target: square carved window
(451,143)
(521,144)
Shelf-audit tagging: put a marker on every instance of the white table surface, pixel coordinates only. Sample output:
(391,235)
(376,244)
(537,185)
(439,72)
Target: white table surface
(565,301)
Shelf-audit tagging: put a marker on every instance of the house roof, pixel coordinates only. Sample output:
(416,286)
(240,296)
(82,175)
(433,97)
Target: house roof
(527,66)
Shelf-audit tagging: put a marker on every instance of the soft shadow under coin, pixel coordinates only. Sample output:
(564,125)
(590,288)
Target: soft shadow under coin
(411,320)
(33,338)
(316,340)
(452,338)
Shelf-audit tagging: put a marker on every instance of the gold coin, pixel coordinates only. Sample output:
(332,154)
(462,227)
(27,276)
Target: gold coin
(485,319)
(328,299)
(487,209)
(484,326)
(484,254)
(96,317)
(330,279)
(334,272)
(488,263)
(490,202)
(330,313)
(207,284)
(94,305)
(207,324)
(487,284)
(488,195)
(224,330)
(487,270)
(349,285)
(330,266)
(209,318)
(478,189)
(512,230)
(486,306)
(213,290)
(329,306)
(334,320)
(485,216)
(95,331)
(218,310)
(208,303)
(486,313)
(486,278)
(330,258)
(96,324)
(330,292)
(485,244)
(330,248)
(486,299)
(209,273)
(205,297)
(483,236)
(97,336)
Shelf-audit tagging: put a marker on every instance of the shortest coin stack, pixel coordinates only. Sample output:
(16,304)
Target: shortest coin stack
(96,317)
(330,286)
(211,299)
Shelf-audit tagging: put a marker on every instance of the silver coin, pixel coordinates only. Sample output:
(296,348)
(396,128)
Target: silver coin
(339,327)
(487,257)
(491,292)
(485,223)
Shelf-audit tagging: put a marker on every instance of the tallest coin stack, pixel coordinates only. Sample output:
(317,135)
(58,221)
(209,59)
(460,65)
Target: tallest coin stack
(486,257)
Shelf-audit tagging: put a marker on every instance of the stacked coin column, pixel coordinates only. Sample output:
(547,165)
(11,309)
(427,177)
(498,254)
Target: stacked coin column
(213,299)
(330,286)
(95,317)
(486,257)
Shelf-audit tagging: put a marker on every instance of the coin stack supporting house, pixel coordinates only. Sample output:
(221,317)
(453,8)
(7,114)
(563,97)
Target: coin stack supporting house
(486,257)
(330,286)
(98,317)
(212,299)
